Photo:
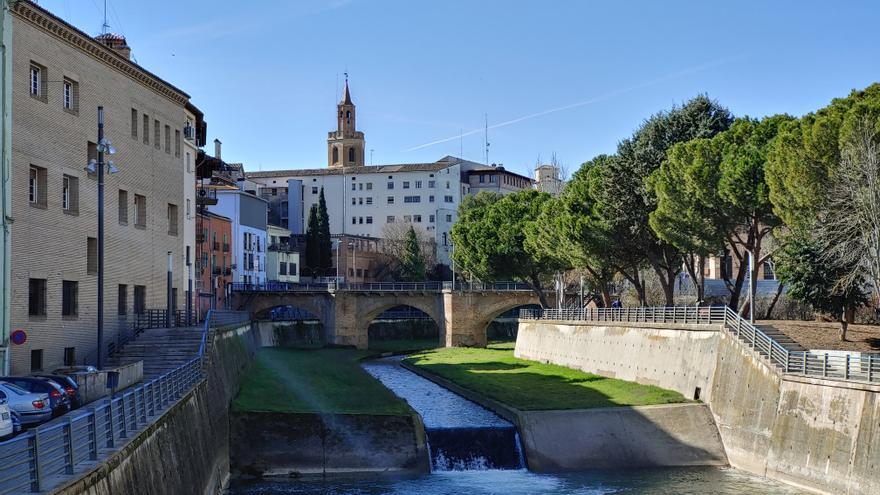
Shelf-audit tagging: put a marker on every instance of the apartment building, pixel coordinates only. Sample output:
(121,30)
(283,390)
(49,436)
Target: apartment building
(282,259)
(194,137)
(363,199)
(215,257)
(60,75)
(248,214)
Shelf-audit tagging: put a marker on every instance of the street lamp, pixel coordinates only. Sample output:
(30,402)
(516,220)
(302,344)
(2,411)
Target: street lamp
(97,167)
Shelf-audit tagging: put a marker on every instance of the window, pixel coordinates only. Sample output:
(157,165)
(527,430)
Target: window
(431,198)
(123,207)
(353,201)
(406,184)
(37,186)
(430,218)
(448,218)
(69,356)
(134,123)
(189,167)
(140,206)
(168,139)
(389,219)
(370,200)
(335,155)
(292,269)
(769,274)
(146,129)
(418,184)
(417,218)
(360,201)
(37,297)
(412,199)
(36,360)
(156,134)
(447,199)
(447,184)
(282,268)
(354,187)
(70,194)
(351,154)
(354,220)
(177,143)
(91,255)
(188,207)
(69,289)
(482,178)
(38,81)
(390,185)
(140,299)
(314,189)
(493,179)
(69,95)
(122,299)
(369,219)
(407,218)
(390,200)
(172,219)
(432,184)
(369,186)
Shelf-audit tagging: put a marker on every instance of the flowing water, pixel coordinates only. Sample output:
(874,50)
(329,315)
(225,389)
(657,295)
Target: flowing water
(462,436)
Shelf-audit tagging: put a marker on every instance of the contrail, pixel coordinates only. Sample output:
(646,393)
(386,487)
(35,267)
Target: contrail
(602,97)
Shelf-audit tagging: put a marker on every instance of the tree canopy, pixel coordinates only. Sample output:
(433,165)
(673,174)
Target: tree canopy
(412,262)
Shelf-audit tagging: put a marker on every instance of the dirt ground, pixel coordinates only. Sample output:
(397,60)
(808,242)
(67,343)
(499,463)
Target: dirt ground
(822,335)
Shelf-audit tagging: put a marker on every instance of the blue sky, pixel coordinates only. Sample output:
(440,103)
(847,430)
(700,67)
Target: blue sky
(564,77)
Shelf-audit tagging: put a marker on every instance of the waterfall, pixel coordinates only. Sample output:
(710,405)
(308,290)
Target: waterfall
(474,449)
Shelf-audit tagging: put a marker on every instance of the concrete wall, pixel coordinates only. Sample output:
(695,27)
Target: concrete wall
(93,386)
(282,444)
(817,434)
(186,450)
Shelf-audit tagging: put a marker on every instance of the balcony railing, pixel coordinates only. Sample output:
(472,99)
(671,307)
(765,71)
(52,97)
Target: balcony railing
(225,247)
(216,246)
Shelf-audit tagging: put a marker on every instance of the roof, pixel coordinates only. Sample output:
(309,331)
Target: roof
(369,169)
(346,98)
(486,168)
(208,213)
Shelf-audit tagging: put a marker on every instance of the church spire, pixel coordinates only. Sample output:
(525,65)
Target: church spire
(346,97)
(345,145)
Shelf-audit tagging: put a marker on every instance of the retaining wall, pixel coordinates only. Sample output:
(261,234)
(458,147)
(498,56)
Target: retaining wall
(814,433)
(186,450)
(289,444)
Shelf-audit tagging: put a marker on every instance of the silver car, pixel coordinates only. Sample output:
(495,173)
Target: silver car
(32,407)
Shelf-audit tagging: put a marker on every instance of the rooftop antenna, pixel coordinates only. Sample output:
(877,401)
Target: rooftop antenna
(460,144)
(487,139)
(105,27)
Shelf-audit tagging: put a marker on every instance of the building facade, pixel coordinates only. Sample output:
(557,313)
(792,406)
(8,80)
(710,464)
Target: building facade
(60,76)
(548,179)
(214,259)
(249,222)
(282,260)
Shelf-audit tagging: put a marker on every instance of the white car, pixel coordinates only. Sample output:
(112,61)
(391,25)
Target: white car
(31,407)
(7,426)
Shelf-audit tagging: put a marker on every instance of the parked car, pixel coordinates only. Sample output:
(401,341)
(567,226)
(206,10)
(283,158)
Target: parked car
(72,370)
(7,425)
(16,421)
(70,387)
(31,407)
(59,402)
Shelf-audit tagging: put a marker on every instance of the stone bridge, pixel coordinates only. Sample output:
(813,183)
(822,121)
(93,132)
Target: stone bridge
(461,313)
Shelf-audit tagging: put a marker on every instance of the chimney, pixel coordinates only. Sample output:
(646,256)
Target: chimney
(116,43)
(217,145)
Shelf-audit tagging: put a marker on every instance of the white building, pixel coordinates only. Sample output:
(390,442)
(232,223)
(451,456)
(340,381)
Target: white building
(548,180)
(363,199)
(193,138)
(248,214)
(282,261)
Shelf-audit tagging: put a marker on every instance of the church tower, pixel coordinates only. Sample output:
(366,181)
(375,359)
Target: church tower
(345,145)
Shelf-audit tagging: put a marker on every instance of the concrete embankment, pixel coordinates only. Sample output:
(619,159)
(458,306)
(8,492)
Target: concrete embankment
(290,444)
(814,433)
(186,450)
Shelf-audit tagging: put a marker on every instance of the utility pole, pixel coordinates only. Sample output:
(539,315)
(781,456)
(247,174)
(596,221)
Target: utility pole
(100,172)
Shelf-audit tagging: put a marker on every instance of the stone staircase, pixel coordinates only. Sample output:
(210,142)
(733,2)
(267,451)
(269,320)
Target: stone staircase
(161,350)
(784,340)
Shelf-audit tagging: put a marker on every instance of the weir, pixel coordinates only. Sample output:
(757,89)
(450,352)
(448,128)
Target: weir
(461,435)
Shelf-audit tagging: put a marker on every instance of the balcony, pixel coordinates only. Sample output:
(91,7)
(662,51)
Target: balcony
(216,246)
(217,270)
(200,237)
(207,197)
(225,247)
(282,247)
(227,272)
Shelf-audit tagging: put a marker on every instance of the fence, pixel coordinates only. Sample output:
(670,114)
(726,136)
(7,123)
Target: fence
(382,287)
(839,365)
(38,458)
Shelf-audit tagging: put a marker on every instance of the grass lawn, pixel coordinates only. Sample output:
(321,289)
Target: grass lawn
(323,381)
(529,385)
(403,345)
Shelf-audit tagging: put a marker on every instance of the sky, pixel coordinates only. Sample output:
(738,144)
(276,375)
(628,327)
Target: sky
(570,78)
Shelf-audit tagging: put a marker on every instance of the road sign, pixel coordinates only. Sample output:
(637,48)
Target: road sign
(18,336)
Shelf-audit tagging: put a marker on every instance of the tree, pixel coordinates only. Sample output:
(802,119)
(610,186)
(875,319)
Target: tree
(813,280)
(325,243)
(490,239)
(312,247)
(412,263)
(626,198)
(712,194)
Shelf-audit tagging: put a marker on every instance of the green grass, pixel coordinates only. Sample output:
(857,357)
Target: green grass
(529,385)
(314,381)
(404,345)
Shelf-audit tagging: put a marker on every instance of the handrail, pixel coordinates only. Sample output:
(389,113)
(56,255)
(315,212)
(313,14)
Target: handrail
(36,460)
(842,365)
(436,286)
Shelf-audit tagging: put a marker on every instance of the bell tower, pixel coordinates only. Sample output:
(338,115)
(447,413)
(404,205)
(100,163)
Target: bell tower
(345,145)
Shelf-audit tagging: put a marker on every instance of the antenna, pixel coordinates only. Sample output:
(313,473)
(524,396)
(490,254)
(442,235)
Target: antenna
(487,139)
(105,27)
(460,144)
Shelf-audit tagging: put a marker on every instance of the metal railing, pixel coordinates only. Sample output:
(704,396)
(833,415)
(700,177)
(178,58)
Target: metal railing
(36,460)
(382,287)
(840,365)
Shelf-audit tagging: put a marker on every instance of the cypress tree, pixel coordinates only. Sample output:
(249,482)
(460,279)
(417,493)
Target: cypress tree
(412,264)
(325,245)
(312,261)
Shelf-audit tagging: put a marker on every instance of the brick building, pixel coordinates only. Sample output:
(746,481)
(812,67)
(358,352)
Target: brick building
(60,75)
(215,259)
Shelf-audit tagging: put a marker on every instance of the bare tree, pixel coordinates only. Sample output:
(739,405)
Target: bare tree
(394,240)
(849,225)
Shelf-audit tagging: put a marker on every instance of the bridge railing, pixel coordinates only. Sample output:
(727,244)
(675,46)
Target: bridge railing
(850,366)
(36,460)
(382,287)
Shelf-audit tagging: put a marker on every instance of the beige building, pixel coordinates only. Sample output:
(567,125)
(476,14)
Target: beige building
(60,76)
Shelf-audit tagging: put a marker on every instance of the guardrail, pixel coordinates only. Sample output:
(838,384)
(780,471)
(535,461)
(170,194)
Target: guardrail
(382,287)
(848,366)
(36,460)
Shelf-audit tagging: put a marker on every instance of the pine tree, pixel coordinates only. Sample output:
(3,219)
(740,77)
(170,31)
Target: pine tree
(324,243)
(412,264)
(312,259)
